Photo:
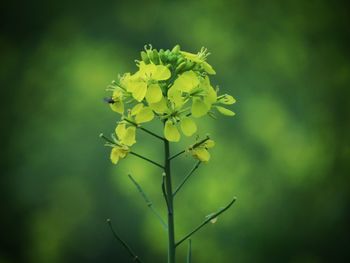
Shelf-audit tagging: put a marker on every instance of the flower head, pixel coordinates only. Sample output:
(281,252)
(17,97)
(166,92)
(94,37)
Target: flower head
(201,152)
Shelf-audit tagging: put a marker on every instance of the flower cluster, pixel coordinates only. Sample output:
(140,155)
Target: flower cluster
(172,86)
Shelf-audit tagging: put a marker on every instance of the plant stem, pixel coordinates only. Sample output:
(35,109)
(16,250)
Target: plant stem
(147,159)
(125,245)
(170,203)
(148,201)
(187,177)
(209,218)
(144,129)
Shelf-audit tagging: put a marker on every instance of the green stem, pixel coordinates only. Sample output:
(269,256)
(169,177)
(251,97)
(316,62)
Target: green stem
(147,159)
(170,203)
(148,201)
(144,129)
(132,254)
(209,218)
(187,177)
(192,147)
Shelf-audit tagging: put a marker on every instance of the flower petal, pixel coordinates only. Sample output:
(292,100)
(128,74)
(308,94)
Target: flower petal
(120,130)
(138,90)
(160,107)
(225,111)
(171,133)
(199,108)
(129,136)
(161,73)
(136,109)
(154,93)
(186,82)
(209,144)
(117,106)
(115,155)
(146,114)
(201,154)
(188,126)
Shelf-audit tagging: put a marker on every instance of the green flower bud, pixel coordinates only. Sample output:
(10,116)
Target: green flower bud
(180,60)
(172,57)
(176,49)
(180,67)
(189,65)
(144,57)
(155,59)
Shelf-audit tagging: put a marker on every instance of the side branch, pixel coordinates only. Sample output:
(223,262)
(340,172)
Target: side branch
(187,177)
(144,129)
(147,159)
(148,202)
(132,254)
(192,147)
(206,221)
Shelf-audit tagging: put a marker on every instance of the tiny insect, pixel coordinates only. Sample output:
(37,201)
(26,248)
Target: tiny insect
(108,100)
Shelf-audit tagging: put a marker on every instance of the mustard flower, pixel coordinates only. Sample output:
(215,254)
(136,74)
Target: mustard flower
(201,152)
(145,83)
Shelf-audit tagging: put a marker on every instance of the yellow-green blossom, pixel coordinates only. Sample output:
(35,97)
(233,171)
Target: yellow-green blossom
(190,85)
(117,104)
(119,152)
(171,132)
(201,151)
(145,82)
(126,135)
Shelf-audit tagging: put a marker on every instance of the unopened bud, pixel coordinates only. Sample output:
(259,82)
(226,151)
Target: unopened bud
(155,57)
(144,57)
(176,49)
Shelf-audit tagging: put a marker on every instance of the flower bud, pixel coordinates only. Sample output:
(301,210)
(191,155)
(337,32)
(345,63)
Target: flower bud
(155,58)
(189,65)
(144,57)
(180,60)
(180,67)
(176,49)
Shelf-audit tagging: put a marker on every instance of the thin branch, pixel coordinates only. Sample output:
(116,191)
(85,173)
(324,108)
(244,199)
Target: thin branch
(195,167)
(132,254)
(189,251)
(192,147)
(148,201)
(206,221)
(107,139)
(144,129)
(147,159)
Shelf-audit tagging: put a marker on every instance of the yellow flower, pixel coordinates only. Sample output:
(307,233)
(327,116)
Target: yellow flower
(145,82)
(201,152)
(227,100)
(200,58)
(118,152)
(126,135)
(190,85)
(140,113)
(117,104)
(171,132)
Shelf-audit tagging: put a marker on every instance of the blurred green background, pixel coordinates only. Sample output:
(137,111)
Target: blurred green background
(285,155)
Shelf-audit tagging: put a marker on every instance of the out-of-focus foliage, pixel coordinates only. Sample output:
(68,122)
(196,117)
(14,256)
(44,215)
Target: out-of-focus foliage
(285,154)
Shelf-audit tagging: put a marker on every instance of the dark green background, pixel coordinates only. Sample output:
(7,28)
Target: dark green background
(285,155)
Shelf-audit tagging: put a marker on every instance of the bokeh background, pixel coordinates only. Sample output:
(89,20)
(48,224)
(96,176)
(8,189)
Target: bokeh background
(285,155)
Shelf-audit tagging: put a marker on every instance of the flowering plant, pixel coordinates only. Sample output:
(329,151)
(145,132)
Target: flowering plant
(173,87)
